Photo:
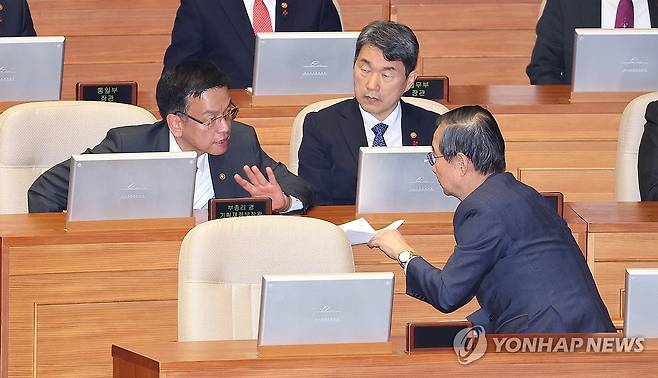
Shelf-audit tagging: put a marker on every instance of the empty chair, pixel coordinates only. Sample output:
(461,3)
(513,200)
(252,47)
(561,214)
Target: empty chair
(35,136)
(222,262)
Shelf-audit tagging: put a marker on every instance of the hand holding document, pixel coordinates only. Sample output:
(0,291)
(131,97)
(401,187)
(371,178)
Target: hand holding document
(359,231)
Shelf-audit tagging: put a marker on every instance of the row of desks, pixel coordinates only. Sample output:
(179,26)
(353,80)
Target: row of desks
(232,358)
(552,143)
(67,296)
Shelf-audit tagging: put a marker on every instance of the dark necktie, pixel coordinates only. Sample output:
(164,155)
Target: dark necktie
(262,21)
(624,14)
(379,130)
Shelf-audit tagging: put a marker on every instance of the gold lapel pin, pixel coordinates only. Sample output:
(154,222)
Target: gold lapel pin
(222,176)
(413,135)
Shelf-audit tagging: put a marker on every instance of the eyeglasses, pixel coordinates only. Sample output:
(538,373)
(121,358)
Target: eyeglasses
(229,115)
(431,158)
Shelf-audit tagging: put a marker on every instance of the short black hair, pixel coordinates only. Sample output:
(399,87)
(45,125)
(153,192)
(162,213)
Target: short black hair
(188,78)
(397,42)
(473,131)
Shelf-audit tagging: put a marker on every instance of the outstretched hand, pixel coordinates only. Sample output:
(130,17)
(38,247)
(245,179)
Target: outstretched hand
(258,186)
(390,242)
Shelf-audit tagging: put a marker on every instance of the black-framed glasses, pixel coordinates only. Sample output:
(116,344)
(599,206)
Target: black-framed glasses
(431,158)
(229,115)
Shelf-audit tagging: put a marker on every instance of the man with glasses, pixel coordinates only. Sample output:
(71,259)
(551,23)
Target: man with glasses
(198,115)
(513,252)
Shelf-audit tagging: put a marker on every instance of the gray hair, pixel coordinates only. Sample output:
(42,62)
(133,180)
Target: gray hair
(397,42)
(473,131)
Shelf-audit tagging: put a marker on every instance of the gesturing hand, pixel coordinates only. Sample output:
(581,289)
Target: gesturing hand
(259,186)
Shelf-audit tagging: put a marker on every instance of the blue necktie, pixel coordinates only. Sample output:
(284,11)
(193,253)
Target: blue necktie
(379,130)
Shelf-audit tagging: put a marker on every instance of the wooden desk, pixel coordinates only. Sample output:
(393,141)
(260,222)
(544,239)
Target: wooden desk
(66,296)
(551,144)
(620,235)
(240,358)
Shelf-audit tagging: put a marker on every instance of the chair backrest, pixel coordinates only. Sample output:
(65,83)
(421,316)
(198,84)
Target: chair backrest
(297,131)
(222,262)
(631,128)
(541,9)
(37,135)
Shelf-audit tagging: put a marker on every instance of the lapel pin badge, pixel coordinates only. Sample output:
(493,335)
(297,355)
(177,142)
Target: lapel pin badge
(222,176)
(414,135)
(284,6)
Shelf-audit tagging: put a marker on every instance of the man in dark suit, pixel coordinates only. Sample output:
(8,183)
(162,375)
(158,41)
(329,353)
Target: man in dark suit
(513,252)
(384,68)
(15,19)
(198,116)
(222,32)
(647,160)
(552,56)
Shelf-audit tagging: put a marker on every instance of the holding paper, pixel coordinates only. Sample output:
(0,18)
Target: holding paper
(359,231)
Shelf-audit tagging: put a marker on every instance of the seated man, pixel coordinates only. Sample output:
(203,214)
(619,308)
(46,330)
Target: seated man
(223,32)
(513,252)
(197,115)
(384,63)
(15,19)
(552,57)
(647,160)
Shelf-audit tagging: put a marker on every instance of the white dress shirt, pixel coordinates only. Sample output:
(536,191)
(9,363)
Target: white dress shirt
(269,4)
(203,189)
(641,18)
(393,134)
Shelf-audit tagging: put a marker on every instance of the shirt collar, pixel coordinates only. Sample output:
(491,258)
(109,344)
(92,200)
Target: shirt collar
(369,120)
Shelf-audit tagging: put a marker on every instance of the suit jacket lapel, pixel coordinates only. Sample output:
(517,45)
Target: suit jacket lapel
(409,123)
(351,126)
(590,13)
(284,19)
(236,13)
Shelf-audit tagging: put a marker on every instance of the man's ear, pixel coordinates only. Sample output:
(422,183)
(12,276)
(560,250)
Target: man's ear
(462,163)
(175,124)
(411,79)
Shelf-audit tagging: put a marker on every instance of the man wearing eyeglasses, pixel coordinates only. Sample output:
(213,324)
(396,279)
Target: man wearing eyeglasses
(198,115)
(513,253)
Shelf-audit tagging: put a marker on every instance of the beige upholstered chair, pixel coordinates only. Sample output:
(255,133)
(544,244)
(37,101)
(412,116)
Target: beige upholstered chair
(222,261)
(297,131)
(631,128)
(35,136)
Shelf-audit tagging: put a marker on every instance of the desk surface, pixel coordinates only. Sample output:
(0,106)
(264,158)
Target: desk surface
(226,358)
(499,98)
(618,216)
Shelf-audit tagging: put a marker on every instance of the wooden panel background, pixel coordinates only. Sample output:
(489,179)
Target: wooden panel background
(126,40)
(472,41)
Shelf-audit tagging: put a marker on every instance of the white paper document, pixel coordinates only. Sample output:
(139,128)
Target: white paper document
(359,231)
